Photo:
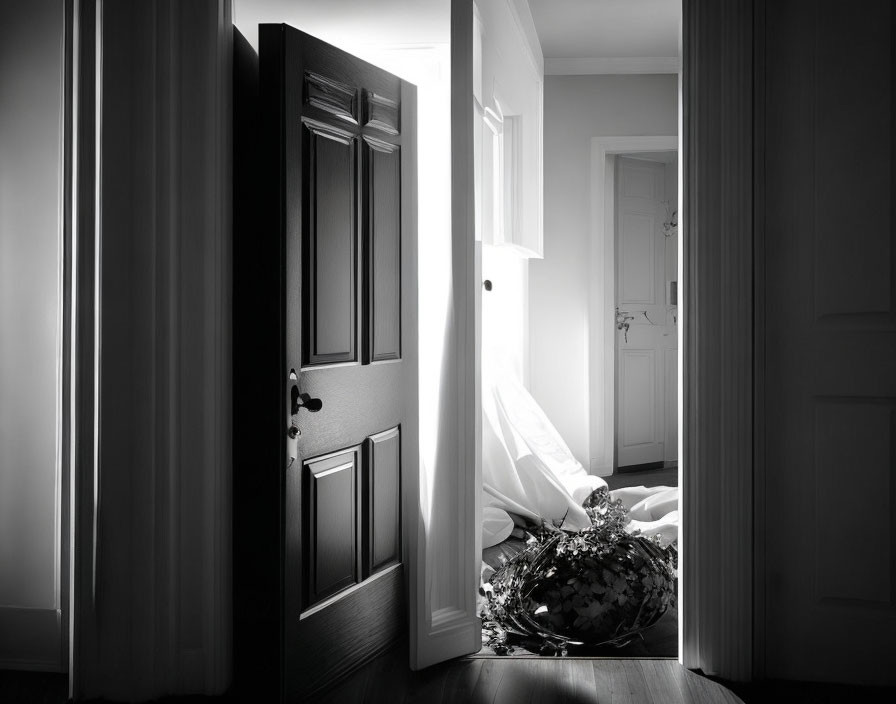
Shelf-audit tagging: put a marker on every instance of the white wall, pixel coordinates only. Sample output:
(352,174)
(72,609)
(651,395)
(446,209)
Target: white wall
(509,80)
(576,109)
(31,66)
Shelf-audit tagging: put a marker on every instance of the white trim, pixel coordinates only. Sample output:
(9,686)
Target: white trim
(445,555)
(525,25)
(601,297)
(611,65)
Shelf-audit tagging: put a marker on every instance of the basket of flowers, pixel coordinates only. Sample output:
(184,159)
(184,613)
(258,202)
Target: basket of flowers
(598,586)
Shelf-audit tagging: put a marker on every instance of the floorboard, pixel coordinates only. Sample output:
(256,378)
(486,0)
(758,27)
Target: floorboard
(387,679)
(534,681)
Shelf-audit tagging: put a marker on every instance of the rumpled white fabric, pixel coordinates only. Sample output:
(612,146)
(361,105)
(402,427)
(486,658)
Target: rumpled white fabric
(528,470)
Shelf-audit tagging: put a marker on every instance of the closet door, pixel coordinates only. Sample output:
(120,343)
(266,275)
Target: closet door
(830,344)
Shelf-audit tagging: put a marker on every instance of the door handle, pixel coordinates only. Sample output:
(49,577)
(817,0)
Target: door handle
(305,401)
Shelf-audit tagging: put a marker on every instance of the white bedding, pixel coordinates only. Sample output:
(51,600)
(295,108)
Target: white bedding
(528,470)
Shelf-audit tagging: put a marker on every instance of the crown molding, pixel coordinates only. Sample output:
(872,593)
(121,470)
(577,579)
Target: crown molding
(611,65)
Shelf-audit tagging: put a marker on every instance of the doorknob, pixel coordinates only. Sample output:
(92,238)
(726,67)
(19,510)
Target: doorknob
(305,401)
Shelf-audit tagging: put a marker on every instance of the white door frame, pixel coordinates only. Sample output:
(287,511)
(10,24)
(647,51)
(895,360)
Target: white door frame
(602,293)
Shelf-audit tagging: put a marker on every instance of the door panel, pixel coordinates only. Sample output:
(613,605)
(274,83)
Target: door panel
(671,424)
(332,532)
(830,342)
(332,96)
(854,433)
(382,113)
(383,164)
(383,502)
(347,295)
(637,242)
(331,258)
(637,401)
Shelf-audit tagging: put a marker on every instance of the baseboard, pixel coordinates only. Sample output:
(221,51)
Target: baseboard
(639,467)
(31,639)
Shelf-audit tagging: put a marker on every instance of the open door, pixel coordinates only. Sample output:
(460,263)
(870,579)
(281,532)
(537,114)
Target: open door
(646,336)
(341,136)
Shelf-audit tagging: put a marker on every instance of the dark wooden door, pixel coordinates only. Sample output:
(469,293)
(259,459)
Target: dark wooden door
(344,151)
(829,351)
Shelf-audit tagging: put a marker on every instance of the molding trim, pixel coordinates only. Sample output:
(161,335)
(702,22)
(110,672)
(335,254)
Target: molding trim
(717,450)
(525,25)
(602,296)
(445,574)
(611,65)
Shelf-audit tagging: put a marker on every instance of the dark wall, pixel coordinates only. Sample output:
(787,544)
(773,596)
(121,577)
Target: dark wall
(31,79)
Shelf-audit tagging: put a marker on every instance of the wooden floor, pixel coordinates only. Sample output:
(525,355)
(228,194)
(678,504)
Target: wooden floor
(548,680)
(478,680)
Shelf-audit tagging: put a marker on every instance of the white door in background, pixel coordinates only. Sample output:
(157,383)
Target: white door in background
(646,337)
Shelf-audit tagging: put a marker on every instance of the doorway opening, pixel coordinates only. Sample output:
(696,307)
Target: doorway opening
(579,347)
(646,312)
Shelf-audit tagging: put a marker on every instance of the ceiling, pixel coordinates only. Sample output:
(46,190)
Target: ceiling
(350,23)
(607,29)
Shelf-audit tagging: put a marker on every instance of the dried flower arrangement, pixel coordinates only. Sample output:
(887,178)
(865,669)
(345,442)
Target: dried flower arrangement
(599,586)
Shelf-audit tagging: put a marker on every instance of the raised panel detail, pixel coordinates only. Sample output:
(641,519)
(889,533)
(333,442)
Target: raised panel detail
(331,530)
(332,96)
(330,247)
(637,234)
(854,459)
(383,545)
(382,113)
(637,385)
(638,183)
(670,380)
(383,328)
(853,177)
